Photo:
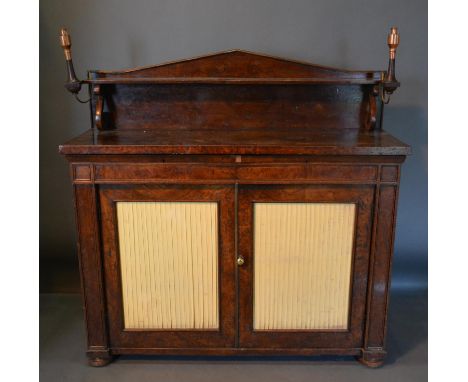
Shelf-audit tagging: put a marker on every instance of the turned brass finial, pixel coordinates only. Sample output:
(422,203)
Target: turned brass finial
(65,42)
(393,40)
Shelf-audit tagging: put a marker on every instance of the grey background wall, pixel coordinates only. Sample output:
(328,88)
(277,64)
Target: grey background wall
(110,34)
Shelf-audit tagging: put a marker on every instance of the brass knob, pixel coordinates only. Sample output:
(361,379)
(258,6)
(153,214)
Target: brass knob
(240,261)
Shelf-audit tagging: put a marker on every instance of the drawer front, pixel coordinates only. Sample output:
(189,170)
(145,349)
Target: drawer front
(230,173)
(308,172)
(162,173)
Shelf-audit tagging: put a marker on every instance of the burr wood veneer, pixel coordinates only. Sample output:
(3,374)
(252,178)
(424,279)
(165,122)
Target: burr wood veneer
(235,204)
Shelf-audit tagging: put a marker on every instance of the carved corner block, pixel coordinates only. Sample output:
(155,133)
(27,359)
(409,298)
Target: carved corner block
(389,174)
(82,173)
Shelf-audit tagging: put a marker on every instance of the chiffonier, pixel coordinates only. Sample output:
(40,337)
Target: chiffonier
(235,204)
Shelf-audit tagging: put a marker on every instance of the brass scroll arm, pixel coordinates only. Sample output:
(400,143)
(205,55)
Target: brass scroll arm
(389,83)
(73,84)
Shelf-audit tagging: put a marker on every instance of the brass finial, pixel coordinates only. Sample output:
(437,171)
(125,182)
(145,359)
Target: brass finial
(65,42)
(393,40)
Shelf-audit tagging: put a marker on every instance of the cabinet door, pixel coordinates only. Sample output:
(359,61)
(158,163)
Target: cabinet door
(169,265)
(305,254)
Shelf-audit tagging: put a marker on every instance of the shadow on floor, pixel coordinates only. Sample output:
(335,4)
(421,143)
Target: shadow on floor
(407,325)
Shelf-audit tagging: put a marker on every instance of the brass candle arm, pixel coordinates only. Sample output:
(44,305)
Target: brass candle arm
(389,83)
(73,84)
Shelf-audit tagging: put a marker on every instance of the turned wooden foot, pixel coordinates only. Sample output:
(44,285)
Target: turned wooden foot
(99,358)
(100,361)
(372,358)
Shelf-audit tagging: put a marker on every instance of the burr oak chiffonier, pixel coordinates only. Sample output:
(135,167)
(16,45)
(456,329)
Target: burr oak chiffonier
(235,204)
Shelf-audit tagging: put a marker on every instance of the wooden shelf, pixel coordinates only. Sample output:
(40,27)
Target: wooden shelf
(227,80)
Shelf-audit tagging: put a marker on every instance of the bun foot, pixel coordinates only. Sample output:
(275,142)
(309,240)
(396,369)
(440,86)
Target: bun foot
(372,358)
(100,361)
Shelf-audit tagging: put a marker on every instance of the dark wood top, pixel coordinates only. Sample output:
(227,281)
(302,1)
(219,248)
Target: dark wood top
(237,141)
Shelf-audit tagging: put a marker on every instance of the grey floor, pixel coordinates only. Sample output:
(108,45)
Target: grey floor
(62,358)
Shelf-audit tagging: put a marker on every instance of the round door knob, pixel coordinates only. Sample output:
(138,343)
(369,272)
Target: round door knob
(240,261)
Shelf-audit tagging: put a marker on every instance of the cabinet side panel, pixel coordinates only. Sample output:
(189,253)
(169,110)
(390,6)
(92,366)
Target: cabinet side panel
(381,265)
(302,270)
(169,264)
(91,269)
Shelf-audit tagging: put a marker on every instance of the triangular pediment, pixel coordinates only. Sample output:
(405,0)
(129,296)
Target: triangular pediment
(237,64)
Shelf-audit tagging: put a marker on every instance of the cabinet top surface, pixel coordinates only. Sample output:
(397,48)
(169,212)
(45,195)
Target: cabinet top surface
(312,141)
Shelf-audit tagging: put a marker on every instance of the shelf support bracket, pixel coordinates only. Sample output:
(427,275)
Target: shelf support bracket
(99,106)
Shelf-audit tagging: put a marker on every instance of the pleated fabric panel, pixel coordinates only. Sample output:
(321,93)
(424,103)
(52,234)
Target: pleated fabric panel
(302,265)
(169,264)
